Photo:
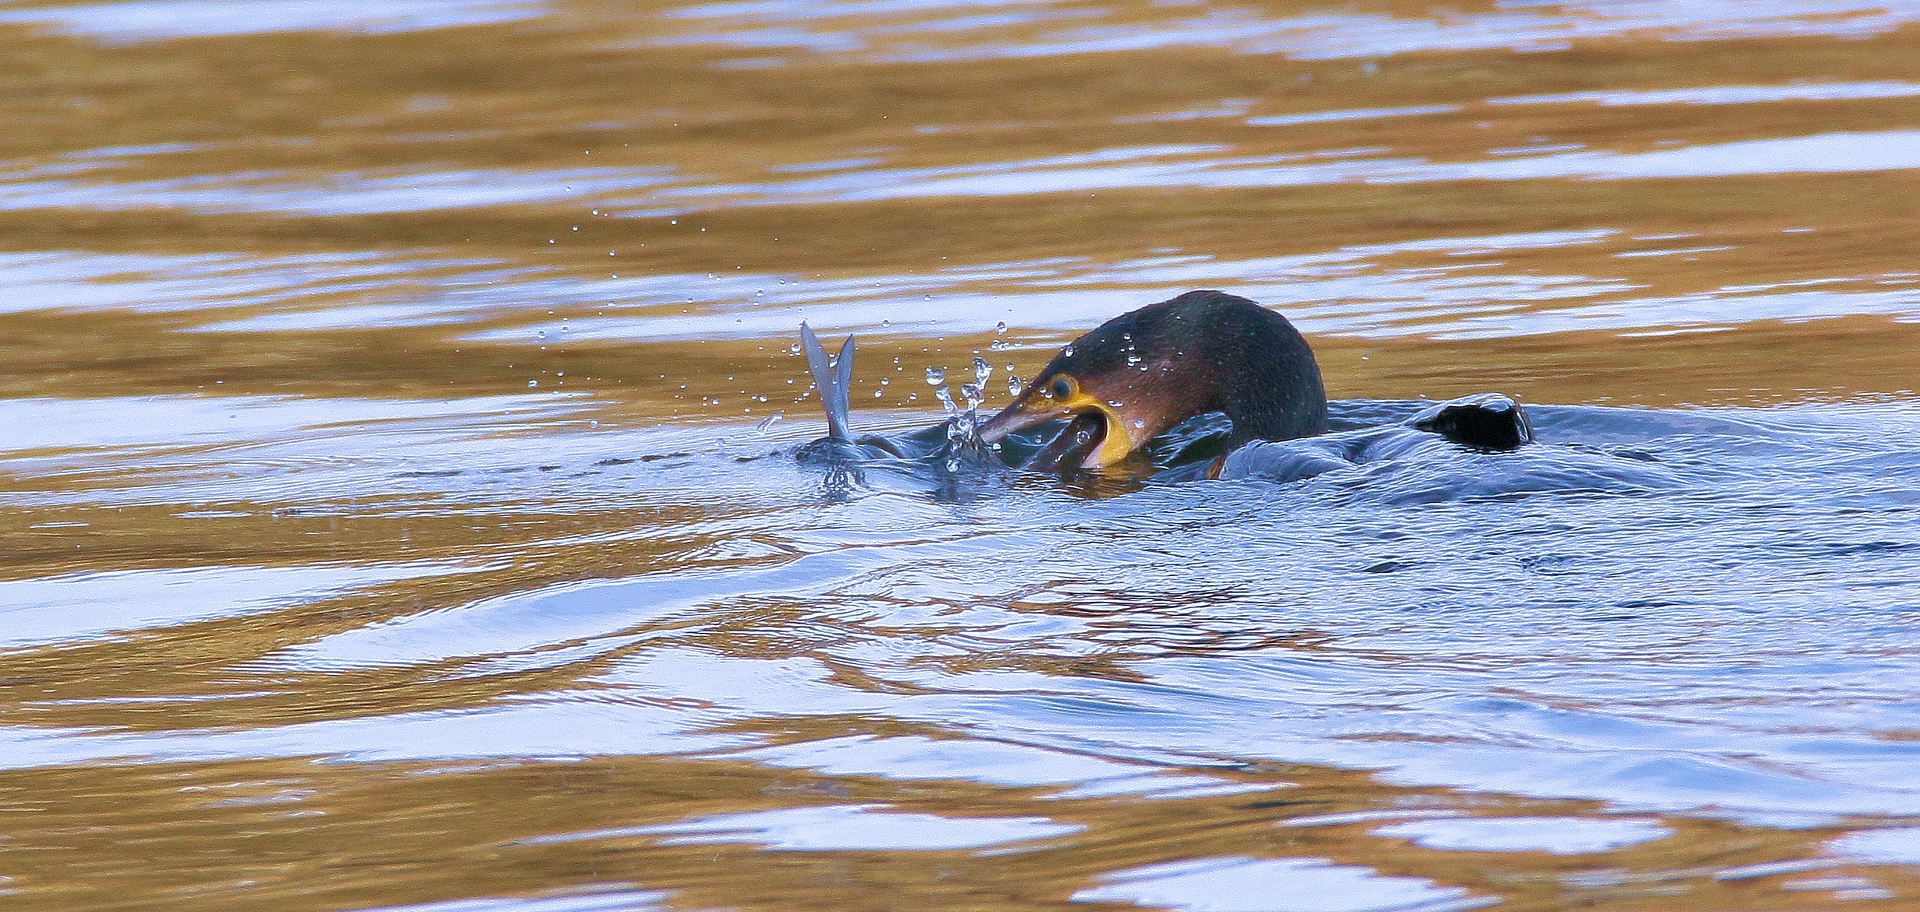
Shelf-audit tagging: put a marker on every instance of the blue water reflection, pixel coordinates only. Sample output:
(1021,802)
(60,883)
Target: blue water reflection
(91,185)
(1209,167)
(1275,885)
(1557,835)
(906,32)
(847,828)
(89,606)
(1731,94)
(154,20)
(1892,845)
(1574,683)
(601,898)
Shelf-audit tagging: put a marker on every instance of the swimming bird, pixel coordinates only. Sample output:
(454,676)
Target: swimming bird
(1147,371)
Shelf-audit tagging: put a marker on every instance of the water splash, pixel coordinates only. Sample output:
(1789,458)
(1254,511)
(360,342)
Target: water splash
(982,371)
(964,448)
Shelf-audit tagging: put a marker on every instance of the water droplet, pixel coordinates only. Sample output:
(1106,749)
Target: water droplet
(560,373)
(673,221)
(1000,327)
(540,334)
(884,381)
(1139,423)
(936,376)
(886,322)
(1115,403)
(912,396)
(769,421)
(533,384)
(876,394)
(1014,386)
(793,349)
(1067,352)
(981,371)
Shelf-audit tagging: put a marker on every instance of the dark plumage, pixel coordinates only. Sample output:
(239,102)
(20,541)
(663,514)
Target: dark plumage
(1139,375)
(1148,370)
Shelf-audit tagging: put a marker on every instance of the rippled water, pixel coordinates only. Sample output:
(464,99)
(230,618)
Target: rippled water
(398,509)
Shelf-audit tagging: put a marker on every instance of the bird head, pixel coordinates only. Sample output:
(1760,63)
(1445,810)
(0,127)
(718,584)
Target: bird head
(1143,372)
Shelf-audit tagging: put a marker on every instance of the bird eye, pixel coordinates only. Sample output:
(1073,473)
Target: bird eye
(1062,388)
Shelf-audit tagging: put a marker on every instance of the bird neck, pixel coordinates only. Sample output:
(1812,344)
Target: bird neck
(1268,384)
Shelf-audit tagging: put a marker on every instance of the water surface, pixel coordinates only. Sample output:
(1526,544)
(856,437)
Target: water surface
(397,508)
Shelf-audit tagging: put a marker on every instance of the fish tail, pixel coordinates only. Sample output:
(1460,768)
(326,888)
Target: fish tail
(834,378)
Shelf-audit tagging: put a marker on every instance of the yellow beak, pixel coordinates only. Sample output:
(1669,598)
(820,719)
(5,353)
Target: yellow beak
(1034,408)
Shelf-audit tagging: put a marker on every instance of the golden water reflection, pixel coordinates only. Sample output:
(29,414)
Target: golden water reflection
(319,328)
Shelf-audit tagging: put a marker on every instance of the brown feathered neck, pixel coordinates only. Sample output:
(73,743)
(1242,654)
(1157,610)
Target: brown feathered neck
(1204,351)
